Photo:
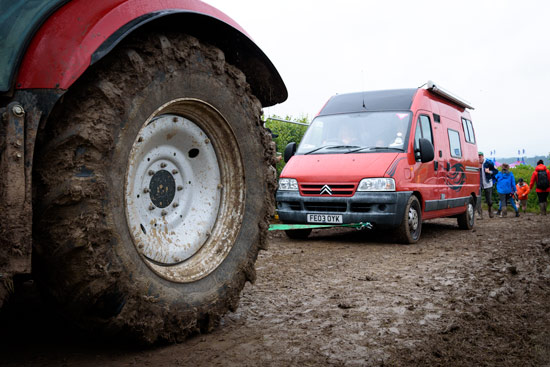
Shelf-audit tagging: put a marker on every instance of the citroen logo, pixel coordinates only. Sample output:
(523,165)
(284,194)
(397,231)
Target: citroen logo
(326,190)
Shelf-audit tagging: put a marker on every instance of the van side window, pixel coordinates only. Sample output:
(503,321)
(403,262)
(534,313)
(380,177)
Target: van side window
(471,130)
(423,129)
(468,131)
(454,143)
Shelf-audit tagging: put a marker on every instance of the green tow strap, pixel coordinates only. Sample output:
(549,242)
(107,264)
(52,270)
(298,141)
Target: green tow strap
(286,227)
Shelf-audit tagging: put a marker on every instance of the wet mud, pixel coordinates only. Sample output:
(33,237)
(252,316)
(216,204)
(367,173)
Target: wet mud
(348,298)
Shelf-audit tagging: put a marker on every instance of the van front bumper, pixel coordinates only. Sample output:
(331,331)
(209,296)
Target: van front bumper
(382,209)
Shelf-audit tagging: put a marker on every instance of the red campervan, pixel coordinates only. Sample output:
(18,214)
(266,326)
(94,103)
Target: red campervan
(390,158)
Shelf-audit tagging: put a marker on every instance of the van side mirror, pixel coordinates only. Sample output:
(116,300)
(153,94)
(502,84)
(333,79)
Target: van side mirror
(290,149)
(425,151)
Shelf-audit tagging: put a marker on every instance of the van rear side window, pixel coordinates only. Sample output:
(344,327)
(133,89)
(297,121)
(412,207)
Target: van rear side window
(468,131)
(454,143)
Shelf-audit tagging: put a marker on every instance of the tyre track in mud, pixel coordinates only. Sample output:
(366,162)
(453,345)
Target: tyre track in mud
(350,298)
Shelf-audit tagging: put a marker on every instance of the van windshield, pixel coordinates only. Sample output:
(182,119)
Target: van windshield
(356,133)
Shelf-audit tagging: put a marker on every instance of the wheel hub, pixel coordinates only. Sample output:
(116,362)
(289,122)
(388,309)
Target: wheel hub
(162,189)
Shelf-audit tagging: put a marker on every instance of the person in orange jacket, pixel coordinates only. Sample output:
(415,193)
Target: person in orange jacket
(523,191)
(541,177)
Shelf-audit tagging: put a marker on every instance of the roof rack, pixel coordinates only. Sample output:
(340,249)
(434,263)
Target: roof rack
(431,86)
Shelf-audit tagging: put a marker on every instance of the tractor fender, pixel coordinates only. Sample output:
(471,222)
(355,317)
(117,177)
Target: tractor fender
(82,32)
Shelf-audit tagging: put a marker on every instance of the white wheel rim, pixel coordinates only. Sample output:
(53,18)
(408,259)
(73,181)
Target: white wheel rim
(184,190)
(413,219)
(173,197)
(470,213)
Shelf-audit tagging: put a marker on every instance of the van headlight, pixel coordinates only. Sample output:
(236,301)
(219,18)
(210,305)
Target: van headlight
(288,184)
(376,184)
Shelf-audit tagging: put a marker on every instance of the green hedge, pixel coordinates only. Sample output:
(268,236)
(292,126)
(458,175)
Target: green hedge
(525,172)
(286,132)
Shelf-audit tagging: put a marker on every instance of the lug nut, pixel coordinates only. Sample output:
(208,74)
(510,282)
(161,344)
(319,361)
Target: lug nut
(175,205)
(163,213)
(18,110)
(175,119)
(180,188)
(207,141)
(220,186)
(140,139)
(163,165)
(174,171)
(151,172)
(151,207)
(145,190)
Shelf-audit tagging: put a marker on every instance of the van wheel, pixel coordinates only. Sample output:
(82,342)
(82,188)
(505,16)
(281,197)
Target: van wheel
(466,220)
(411,226)
(298,234)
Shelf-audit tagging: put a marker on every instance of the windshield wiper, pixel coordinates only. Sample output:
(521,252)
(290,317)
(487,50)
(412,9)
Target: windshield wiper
(343,146)
(331,147)
(375,148)
(316,149)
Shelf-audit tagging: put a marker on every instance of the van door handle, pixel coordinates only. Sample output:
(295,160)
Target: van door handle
(436,165)
(448,166)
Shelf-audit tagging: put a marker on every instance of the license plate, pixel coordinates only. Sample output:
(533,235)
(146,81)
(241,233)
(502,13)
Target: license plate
(325,218)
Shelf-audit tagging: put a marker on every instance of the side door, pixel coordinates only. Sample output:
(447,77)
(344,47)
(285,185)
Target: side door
(456,173)
(427,176)
(441,162)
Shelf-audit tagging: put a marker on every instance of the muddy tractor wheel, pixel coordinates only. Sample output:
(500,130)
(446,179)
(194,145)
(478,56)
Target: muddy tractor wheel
(411,226)
(467,219)
(153,191)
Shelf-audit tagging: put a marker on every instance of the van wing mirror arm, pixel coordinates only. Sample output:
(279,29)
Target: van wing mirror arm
(290,149)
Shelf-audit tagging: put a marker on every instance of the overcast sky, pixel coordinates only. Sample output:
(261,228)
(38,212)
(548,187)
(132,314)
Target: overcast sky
(494,54)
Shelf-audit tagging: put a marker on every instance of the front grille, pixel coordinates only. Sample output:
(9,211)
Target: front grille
(325,206)
(336,189)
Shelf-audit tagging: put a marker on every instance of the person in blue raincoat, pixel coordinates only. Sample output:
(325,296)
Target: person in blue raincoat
(506,187)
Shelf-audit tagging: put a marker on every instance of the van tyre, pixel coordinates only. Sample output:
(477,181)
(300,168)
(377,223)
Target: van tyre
(127,154)
(411,226)
(298,234)
(467,219)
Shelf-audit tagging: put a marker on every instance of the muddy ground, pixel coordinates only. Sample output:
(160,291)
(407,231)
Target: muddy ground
(349,298)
